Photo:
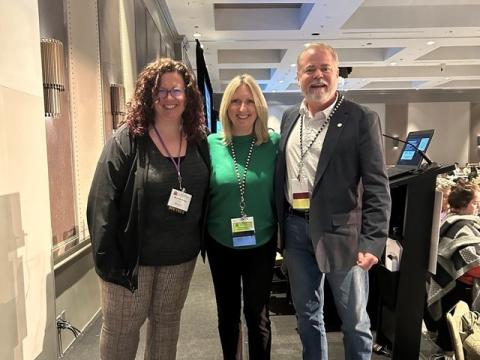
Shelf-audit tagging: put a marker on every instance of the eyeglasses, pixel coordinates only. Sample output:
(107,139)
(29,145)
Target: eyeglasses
(175,92)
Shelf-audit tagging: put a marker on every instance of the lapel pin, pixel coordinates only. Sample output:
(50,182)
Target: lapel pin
(339,125)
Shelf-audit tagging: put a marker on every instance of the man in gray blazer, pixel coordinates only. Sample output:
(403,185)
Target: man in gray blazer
(333,204)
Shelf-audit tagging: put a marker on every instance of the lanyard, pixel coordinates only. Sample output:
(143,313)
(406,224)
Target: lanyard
(242,182)
(175,163)
(324,125)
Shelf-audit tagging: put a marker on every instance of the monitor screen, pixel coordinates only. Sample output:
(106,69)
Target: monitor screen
(410,155)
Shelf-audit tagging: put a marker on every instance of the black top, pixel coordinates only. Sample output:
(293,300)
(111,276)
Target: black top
(116,206)
(171,238)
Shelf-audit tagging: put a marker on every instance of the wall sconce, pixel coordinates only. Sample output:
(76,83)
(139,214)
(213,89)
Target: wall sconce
(395,141)
(53,75)
(117,99)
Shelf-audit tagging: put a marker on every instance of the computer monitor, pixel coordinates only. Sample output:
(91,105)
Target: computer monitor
(409,155)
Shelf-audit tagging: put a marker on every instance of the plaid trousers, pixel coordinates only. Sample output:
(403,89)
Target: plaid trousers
(159,299)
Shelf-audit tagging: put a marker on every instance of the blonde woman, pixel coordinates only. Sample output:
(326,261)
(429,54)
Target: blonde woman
(242,225)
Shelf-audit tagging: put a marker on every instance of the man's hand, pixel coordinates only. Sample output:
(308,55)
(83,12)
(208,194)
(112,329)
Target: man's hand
(366,260)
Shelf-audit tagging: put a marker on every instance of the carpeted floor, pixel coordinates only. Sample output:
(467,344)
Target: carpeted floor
(199,337)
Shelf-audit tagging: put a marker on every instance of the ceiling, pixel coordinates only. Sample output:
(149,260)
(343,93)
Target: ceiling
(390,44)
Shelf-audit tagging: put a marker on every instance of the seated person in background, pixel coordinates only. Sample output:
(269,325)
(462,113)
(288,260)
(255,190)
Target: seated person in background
(444,185)
(473,172)
(445,190)
(457,171)
(458,261)
(466,170)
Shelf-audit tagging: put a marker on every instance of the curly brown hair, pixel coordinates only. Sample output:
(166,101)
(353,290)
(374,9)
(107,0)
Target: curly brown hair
(461,194)
(140,111)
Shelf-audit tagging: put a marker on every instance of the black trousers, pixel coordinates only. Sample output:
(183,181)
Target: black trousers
(250,270)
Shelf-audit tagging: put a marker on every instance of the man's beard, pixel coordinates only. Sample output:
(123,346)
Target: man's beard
(317,95)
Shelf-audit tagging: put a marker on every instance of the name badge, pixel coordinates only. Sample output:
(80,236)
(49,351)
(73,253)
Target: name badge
(300,194)
(179,201)
(243,231)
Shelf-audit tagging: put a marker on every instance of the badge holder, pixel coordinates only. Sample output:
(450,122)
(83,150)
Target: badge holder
(179,201)
(243,231)
(300,194)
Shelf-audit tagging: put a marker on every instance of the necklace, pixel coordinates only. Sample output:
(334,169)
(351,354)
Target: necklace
(242,181)
(324,125)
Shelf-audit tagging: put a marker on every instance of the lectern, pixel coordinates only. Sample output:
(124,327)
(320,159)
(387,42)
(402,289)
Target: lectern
(402,293)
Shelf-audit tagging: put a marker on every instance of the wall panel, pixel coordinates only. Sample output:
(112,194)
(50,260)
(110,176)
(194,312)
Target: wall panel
(27,328)
(451,122)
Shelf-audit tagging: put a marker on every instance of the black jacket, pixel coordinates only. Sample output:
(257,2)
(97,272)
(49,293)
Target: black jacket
(350,199)
(115,209)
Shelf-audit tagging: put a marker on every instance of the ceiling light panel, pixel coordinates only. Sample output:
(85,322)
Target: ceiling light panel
(453,53)
(264,16)
(250,56)
(461,84)
(364,54)
(258,74)
(393,84)
(398,17)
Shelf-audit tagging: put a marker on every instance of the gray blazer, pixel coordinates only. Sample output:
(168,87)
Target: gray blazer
(350,203)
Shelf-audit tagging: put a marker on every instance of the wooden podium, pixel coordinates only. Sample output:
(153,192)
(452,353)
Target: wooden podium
(402,293)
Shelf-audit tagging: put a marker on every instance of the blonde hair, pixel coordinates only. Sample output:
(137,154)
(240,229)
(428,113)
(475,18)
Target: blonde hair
(319,46)
(260,128)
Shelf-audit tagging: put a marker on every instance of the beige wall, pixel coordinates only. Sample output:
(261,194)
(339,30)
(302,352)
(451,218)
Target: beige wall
(451,122)
(28,327)
(79,298)
(86,98)
(396,125)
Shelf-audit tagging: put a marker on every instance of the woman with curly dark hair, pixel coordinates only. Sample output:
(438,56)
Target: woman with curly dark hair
(146,211)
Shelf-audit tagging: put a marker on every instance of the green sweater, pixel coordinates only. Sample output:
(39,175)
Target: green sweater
(225,191)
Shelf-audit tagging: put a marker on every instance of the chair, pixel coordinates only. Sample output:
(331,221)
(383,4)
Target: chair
(454,321)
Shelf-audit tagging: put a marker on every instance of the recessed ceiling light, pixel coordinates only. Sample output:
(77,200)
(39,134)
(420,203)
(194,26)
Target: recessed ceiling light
(393,63)
(431,42)
(281,81)
(306,44)
(196,35)
(293,65)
